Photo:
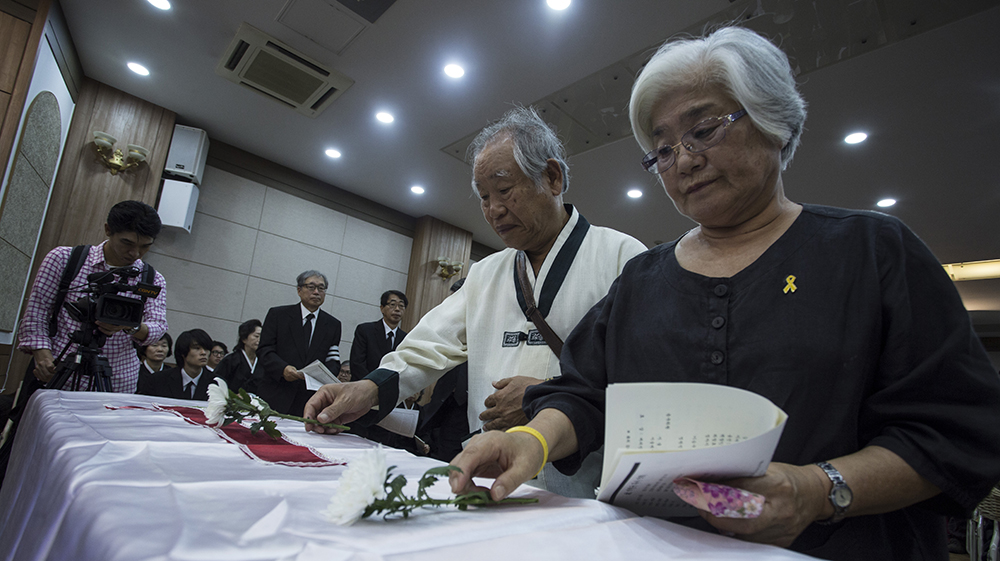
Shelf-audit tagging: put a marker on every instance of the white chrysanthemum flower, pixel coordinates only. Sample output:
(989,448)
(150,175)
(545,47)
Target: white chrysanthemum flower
(362,483)
(218,397)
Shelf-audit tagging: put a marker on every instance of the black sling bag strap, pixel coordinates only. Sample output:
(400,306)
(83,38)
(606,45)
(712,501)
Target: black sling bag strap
(551,339)
(73,266)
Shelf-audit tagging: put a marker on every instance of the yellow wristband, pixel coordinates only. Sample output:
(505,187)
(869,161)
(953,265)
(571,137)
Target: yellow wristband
(541,439)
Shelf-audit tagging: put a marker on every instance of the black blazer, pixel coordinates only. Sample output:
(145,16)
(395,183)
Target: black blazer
(167,383)
(236,372)
(370,346)
(282,343)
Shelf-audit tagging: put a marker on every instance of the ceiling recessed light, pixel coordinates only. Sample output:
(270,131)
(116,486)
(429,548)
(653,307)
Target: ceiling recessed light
(161,4)
(333,153)
(855,137)
(558,4)
(634,193)
(454,70)
(886,203)
(417,189)
(384,117)
(138,69)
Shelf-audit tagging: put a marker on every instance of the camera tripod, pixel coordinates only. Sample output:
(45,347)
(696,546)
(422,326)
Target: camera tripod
(87,361)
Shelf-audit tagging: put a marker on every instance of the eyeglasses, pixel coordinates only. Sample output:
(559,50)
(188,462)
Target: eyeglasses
(701,137)
(399,305)
(313,287)
(218,353)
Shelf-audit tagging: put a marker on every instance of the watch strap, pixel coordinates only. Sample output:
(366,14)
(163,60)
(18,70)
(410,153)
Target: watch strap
(839,511)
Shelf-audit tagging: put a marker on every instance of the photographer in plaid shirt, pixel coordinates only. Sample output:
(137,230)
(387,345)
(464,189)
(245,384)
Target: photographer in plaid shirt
(131,228)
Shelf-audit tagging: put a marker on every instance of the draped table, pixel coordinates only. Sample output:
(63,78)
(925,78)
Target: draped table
(97,476)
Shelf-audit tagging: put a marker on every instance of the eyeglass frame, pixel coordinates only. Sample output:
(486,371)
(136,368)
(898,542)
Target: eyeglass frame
(312,287)
(653,156)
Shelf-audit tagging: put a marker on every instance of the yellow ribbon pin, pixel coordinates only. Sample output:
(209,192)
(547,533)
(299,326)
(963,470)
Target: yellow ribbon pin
(790,287)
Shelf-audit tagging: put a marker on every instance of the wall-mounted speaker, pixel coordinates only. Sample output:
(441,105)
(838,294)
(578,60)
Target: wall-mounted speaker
(178,200)
(188,152)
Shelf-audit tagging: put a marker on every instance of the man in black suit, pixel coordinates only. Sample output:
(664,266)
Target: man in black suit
(374,340)
(292,338)
(189,379)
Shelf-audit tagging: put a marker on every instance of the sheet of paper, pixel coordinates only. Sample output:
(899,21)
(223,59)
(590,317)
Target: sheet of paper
(317,374)
(660,431)
(401,421)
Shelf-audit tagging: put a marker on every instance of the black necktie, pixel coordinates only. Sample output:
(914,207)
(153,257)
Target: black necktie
(189,389)
(388,339)
(307,328)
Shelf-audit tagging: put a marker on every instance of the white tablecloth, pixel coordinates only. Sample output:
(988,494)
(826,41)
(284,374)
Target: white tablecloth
(89,483)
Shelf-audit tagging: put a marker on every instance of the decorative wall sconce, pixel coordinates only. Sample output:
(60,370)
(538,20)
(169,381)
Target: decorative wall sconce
(448,268)
(115,160)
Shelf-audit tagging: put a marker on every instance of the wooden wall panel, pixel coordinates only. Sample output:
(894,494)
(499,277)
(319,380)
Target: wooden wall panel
(28,49)
(84,189)
(432,239)
(15,38)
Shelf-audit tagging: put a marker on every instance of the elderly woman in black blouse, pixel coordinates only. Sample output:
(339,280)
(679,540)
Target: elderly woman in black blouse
(842,318)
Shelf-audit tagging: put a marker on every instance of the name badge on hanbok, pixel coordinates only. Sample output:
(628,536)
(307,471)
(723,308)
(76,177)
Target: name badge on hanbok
(514,338)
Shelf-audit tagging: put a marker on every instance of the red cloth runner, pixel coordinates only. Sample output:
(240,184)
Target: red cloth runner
(258,446)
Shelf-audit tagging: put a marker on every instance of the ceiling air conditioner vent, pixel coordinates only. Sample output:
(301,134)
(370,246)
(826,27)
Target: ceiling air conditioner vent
(270,67)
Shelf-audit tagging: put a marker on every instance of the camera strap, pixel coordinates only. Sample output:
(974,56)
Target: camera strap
(73,266)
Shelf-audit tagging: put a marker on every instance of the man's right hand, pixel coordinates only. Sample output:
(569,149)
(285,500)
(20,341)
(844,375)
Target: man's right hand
(45,367)
(340,404)
(291,374)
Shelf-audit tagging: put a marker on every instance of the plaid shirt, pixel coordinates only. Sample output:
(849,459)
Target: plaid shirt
(33,332)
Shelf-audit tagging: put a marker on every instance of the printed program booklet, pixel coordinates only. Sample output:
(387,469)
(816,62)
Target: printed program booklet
(657,432)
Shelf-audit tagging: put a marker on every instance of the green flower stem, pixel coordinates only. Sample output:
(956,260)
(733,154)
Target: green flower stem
(310,421)
(463,499)
(268,412)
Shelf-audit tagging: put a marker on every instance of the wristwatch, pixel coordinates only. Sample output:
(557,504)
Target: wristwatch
(840,495)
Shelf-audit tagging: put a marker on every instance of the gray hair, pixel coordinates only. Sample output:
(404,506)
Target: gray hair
(748,67)
(534,144)
(301,279)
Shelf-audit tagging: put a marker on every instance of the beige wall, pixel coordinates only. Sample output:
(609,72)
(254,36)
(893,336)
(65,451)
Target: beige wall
(250,240)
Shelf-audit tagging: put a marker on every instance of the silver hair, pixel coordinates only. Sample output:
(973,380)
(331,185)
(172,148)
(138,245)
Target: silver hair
(534,144)
(748,67)
(301,279)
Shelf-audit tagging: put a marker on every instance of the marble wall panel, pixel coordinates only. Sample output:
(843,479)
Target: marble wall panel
(12,275)
(298,219)
(201,289)
(262,295)
(231,197)
(367,242)
(219,329)
(42,134)
(351,313)
(364,282)
(212,241)
(281,260)
(23,208)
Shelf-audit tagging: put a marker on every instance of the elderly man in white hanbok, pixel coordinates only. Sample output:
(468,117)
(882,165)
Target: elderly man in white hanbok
(520,176)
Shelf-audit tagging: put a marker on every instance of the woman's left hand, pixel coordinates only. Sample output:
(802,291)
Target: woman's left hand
(795,496)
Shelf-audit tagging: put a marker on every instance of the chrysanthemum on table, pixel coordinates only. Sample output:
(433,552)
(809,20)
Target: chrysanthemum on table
(368,487)
(226,406)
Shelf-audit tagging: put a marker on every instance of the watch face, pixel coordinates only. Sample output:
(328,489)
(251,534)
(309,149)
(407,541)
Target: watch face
(842,496)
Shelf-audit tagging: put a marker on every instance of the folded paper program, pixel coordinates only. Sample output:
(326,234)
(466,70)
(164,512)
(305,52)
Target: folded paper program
(257,446)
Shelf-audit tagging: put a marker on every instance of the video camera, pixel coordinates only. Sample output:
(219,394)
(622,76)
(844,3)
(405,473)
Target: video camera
(102,303)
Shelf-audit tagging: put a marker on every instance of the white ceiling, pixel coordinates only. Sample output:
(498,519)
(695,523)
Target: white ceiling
(930,104)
